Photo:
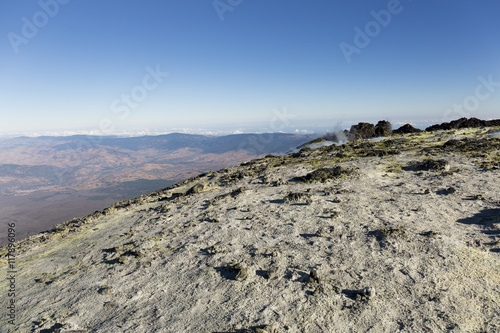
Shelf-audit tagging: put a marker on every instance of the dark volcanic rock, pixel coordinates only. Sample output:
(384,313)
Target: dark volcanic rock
(407,128)
(298,198)
(324,174)
(363,131)
(492,123)
(383,128)
(464,123)
(433,165)
(198,188)
(368,131)
(314,277)
(359,131)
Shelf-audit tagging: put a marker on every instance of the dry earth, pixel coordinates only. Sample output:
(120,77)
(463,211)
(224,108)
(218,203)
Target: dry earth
(396,235)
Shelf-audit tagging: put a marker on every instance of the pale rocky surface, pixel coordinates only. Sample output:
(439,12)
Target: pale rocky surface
(387,248)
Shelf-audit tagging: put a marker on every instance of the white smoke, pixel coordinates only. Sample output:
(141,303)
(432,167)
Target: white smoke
(321,144)
(494,135)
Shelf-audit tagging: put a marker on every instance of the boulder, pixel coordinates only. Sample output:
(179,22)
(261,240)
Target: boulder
(405,129)
(383,128)
(363,131)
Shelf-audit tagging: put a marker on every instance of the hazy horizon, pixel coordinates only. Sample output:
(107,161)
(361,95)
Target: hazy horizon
(312,128)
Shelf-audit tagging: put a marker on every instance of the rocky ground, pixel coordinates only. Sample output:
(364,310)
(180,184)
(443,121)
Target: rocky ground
(400,234)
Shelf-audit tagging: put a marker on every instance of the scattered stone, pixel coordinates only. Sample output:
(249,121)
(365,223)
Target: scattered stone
(163,208)
(232,194)
(331,213)
(242,271)
(198,188)
(272,273)
(209,217)
(123,259)
(318,290)
(325,231)
(279,182)
(336,200)
(474,243)
(451,190)
(381,152)
(69,328)
(110,305)
(325,174)
(329,191)
(479,197)
(216,249)
(212,250)
(313,276)
(46,278)
(367,292)
(296,198)
(114,249)
(264,179)
(393,232)
(238,191)
(429,233)
(105,290)
(433,165)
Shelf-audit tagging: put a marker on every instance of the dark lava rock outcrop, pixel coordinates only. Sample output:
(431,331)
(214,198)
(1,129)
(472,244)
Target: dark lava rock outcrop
(383,128)
(406,129)
(464,123)
(362,131)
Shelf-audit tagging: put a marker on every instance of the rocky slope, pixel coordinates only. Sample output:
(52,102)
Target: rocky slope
(401,234)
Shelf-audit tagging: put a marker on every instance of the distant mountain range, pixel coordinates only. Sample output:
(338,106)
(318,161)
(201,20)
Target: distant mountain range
(253,143)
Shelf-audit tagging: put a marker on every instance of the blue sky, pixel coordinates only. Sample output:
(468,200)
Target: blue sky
(87,65)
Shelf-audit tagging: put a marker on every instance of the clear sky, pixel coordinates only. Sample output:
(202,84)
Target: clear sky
(123,65)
